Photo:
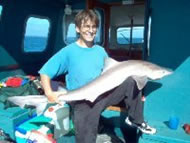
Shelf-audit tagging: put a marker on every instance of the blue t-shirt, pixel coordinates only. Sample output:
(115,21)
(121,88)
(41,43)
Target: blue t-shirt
(80,64)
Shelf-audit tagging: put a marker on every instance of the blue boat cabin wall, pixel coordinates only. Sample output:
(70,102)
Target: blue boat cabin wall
(168,43)
(12,29)
(169,34)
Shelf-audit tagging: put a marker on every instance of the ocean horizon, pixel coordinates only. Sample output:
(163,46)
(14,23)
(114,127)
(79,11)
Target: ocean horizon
(38,44)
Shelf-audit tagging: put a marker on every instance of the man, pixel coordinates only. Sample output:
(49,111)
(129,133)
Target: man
(82,62)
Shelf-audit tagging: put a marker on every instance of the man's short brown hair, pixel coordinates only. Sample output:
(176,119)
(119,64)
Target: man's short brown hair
(86,15)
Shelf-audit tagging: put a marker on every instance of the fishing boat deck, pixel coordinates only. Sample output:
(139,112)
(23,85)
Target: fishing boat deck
(167,98)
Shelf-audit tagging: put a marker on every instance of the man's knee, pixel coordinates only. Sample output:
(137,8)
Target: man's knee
(130,83)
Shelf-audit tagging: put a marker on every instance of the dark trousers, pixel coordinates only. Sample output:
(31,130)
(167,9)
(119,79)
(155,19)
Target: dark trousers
(86,115)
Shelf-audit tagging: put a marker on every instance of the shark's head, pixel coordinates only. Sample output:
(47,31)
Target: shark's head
(160,73)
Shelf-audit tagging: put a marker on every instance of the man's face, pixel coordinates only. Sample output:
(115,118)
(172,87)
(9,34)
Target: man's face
(87,31)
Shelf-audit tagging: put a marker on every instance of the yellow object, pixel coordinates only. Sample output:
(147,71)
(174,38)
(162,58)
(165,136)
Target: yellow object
(2,84)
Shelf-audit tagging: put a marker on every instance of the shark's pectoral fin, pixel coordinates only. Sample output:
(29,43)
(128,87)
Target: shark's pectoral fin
(141,81)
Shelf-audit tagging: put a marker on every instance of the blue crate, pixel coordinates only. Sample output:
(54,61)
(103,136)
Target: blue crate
(12,117)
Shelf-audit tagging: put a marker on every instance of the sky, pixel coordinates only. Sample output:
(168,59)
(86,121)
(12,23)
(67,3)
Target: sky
(37,27)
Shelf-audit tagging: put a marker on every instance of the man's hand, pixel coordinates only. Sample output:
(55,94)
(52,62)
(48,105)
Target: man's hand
(53,97)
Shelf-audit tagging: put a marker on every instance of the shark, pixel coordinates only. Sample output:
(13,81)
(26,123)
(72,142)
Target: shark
(114,73)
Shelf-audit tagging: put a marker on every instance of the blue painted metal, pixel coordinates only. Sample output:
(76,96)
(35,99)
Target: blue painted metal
(165,98)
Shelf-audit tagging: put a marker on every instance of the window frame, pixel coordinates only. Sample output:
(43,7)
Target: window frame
(1,11)
(135,26)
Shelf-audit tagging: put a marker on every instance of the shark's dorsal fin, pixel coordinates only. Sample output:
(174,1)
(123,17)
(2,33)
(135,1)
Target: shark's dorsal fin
(109,63)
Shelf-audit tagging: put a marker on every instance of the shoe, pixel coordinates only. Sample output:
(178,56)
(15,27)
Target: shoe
(128,121)
(143,127)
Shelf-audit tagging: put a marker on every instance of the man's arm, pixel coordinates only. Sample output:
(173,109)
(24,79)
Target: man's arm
(46,83)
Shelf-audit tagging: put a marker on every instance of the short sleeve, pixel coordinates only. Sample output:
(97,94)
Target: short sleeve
(56,65)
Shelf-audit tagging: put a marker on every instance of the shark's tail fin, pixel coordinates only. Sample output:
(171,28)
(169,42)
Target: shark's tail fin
(38,101)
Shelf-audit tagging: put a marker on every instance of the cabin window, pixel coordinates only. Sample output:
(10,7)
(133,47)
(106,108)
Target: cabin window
(70,34)
(124,35)
(1,8)
(36,34)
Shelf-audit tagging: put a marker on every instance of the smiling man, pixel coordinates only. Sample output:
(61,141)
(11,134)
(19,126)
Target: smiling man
(82,62)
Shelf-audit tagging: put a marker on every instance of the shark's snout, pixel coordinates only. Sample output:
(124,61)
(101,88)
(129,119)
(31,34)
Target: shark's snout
(161,73)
